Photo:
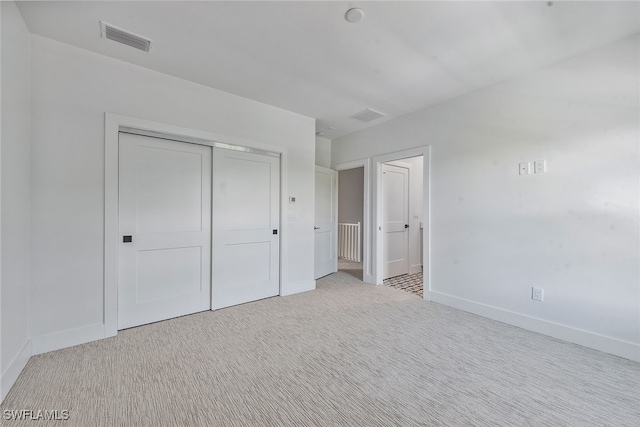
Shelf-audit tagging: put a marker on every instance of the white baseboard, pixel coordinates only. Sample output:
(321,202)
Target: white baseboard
(614,346)
(68,338)
(10,375)
(415,269)
(296,288)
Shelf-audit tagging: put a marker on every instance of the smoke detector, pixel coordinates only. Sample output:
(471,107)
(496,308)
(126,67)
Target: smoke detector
(111,32)
(354,15)
(367,115)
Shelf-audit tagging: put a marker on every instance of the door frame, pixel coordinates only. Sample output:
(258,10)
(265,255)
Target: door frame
(425,152)
(114,123)
(368,275)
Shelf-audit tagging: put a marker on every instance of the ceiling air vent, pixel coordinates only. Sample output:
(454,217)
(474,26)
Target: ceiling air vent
(367,115)
(119,35)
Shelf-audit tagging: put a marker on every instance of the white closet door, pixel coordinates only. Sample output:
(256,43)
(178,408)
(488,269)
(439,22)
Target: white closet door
(395,215)
(246,243)
(165,229)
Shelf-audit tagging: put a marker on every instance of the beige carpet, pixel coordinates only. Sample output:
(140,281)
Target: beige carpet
(346,354)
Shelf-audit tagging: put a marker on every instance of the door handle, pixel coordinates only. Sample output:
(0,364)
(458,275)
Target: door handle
(127,239)
(406,226)
(316,228)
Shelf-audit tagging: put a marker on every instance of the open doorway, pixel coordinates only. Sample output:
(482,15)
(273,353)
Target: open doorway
(350,242)
(409,173)
(402,224)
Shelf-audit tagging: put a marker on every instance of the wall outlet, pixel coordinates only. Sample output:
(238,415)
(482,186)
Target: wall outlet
(537,294)
(540,166)
(524,168)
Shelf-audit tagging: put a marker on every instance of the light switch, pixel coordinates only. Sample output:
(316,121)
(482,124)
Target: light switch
(524,168)
(540,166)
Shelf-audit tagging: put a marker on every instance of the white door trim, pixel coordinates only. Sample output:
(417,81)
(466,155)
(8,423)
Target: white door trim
(367,262)
(116,122)
(423,151)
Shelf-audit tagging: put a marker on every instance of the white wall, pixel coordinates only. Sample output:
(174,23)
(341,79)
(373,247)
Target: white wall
(323,152)
(15,195)
(72,89)
(415,166)
(572,231)
(350,198)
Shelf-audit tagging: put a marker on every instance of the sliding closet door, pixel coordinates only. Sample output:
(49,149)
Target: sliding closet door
(246,242)
(165,229)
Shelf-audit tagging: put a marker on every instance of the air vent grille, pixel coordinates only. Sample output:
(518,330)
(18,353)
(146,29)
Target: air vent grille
(128,38)
(367,115)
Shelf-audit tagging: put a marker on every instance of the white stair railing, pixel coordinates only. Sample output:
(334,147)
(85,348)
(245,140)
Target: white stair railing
(349,241)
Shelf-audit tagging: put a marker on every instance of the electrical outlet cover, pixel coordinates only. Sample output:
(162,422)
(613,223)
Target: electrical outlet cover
(537,294)
(540,166)
(524,168)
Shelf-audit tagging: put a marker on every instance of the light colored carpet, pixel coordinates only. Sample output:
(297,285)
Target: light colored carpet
(346,354)
(407,282)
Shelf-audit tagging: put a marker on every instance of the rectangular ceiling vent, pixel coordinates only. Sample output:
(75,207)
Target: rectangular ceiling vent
(367,115)
(119,35)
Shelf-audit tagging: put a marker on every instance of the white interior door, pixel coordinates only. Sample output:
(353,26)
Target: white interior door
(326,261)
(246,243)
(165,229)
(395,216)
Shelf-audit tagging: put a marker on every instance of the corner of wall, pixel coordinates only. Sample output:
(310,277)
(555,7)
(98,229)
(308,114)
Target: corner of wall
(69,338)
(15,193)
(10,375)
(323,152)
(3,391)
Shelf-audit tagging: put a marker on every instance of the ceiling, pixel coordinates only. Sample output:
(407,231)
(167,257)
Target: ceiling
(305,57)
